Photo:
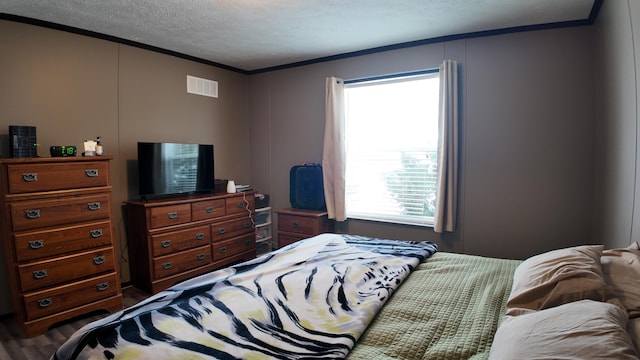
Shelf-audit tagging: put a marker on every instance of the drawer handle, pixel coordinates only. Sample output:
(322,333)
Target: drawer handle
(221,231)
(199,236)
(102,286)
(36,244)
(165,243)
(247,224)
(30,177)
(45,302)
(93,206)
(295,224)
(241,204)
(98,260)
(40,274)
(91,172)
(201,256)
(96,233)
(209,209)
(32,214)
(172,215)
(223,250)
(248,242)
(167,265)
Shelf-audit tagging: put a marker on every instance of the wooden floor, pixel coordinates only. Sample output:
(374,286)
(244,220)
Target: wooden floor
(14,347)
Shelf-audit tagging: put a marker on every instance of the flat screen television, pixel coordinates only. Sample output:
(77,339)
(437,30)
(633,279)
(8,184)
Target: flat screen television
(166,169)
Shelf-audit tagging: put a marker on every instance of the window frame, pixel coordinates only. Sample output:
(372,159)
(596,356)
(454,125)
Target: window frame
(427,221)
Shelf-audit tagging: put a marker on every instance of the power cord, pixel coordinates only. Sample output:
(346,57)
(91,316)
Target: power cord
(247,203)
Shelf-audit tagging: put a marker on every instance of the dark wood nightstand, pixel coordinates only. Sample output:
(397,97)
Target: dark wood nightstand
(298,224)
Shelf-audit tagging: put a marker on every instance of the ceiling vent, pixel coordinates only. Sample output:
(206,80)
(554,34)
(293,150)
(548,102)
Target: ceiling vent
(204,87)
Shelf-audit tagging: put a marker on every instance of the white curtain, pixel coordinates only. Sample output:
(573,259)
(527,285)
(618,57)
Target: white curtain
(447,183)
(333,152)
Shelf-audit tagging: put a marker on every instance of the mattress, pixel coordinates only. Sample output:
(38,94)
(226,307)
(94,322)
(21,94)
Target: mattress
(449,308)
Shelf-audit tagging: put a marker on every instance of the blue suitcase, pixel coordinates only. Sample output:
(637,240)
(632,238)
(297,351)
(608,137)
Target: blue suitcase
(306,189)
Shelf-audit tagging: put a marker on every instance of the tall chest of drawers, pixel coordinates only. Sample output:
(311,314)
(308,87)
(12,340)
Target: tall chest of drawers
(175,239)
(57,239)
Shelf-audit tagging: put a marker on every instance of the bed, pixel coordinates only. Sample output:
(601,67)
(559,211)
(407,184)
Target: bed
(335,296)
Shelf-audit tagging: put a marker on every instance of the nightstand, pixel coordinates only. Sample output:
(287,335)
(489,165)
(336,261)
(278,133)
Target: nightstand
(298,224)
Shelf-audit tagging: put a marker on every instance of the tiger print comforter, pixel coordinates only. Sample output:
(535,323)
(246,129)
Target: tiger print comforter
(309,300)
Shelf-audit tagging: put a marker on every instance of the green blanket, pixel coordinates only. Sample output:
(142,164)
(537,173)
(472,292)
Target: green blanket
(449,308)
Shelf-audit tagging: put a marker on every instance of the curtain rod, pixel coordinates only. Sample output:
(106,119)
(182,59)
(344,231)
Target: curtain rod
(391,76)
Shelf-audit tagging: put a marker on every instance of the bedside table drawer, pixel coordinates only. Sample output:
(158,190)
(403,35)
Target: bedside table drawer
(26,178)
(296,224)
(284,240)
(28,215)
(172,242)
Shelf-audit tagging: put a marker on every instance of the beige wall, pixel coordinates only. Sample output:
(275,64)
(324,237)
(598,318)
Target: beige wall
(618,62)
(527,133)
(73,87)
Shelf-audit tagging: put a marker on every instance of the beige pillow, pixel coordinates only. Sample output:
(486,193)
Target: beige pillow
(558,277)
(633,328)
(580,330)
(621,269)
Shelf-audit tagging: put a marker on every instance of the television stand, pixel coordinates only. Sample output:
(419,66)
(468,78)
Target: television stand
(171,240)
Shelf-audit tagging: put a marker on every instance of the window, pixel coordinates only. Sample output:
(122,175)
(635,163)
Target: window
(391,148)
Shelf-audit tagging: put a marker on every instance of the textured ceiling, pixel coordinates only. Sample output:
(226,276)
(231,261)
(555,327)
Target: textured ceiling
(250,35)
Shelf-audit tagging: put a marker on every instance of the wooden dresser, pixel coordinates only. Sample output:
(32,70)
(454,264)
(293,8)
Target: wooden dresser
(57,239)
(297,224)
(176,239)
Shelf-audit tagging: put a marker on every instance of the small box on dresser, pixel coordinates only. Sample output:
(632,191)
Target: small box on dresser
(57,239)
(178,238)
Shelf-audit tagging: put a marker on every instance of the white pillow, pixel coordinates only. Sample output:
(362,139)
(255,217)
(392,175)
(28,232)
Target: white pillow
(582,330)
(558,277)
(633,328)
(621,269)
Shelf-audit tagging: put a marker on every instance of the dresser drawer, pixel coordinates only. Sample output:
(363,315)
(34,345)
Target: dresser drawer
(240,204)
(170,215)
(234,246)
(296,224)
(228,229)
(208,209)
(177,263)
(28,215)
(64,269)
(39,244)
(175,241)
(50,301)
(25,178)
